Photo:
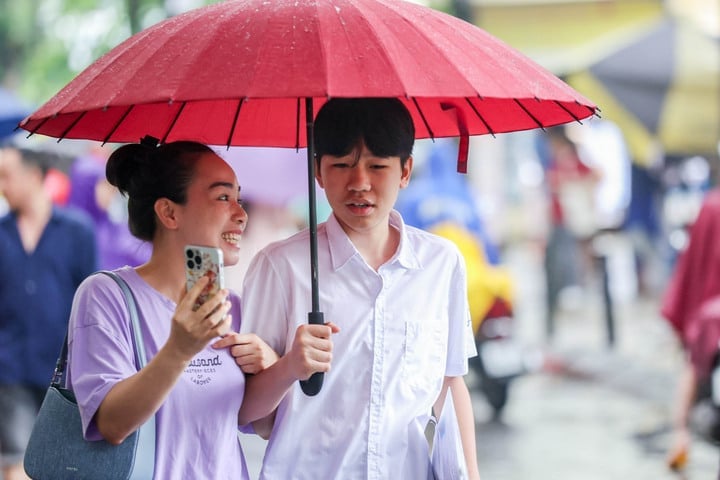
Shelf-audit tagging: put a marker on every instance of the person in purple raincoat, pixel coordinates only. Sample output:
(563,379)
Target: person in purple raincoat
(91,192)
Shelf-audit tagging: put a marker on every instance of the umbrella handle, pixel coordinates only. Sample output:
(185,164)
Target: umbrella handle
(312,385)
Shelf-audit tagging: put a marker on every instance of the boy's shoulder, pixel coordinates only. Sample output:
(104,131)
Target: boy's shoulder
(298,240)
(423,240)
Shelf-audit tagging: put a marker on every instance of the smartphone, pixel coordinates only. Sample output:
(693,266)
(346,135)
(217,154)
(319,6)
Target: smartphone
(201,262)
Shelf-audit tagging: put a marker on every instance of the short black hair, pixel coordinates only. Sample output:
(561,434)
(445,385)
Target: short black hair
(32,154)
(384,125)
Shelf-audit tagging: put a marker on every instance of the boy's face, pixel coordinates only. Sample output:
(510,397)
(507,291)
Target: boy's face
(362,188)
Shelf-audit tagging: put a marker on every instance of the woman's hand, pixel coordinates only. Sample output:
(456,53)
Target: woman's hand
(251,353)
(192,330)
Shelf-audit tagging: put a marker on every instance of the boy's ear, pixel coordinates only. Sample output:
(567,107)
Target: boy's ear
(166,213)
(318,175)
(406,172)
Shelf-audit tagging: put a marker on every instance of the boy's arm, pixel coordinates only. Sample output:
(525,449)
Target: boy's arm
(311,352)
(466,422)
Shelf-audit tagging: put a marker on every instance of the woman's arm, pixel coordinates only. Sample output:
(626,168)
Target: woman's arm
(310,352)
(130,402)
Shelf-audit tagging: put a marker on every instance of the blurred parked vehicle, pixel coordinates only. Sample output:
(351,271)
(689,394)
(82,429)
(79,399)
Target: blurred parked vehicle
(500,358)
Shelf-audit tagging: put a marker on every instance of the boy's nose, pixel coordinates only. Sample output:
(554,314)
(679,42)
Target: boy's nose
(359,179)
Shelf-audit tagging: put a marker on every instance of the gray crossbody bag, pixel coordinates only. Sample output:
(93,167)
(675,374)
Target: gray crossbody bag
(57,449)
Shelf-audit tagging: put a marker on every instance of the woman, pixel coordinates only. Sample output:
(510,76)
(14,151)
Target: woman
(179,193)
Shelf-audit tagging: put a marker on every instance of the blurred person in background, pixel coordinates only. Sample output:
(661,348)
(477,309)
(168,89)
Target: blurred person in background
(45,252)
(90,191)
(571,188)
(692,306)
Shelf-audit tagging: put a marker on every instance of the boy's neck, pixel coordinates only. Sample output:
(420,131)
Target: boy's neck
(377,246)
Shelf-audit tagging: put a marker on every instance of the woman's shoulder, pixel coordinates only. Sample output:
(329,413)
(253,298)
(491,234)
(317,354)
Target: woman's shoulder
(98,297)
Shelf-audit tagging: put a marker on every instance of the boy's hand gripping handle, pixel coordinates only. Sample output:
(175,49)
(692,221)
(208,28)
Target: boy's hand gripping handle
(312,385)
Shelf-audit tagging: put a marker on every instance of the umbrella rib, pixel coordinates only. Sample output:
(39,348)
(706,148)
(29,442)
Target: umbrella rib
(527,112)
(568,111)
(234,123)
(117,124)
(40,125)
(479,115)
(172,125)
(594,111)
(577,119)
(422,115)
(70,127)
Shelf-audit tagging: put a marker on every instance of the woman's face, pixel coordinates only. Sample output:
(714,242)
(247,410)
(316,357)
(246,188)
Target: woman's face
(213,215)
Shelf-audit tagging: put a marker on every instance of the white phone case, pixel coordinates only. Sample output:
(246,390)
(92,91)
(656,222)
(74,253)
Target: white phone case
(204,261)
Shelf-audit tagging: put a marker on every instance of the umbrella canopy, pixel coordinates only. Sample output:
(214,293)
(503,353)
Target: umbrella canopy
(662,89)
(255,72)
(242,66)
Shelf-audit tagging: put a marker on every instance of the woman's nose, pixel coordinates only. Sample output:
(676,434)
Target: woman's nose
(240,215)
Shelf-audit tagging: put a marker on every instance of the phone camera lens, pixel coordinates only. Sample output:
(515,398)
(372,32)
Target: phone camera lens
(189,253)
(190,264)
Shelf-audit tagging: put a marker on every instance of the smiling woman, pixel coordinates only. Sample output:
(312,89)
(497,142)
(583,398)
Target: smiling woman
(178,194)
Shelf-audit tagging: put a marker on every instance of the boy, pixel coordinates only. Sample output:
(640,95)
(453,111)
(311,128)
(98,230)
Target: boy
(396,294)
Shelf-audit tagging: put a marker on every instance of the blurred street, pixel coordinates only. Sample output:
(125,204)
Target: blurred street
(594,412)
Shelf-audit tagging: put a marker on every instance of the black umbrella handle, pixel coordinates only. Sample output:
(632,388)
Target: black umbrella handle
(312,385)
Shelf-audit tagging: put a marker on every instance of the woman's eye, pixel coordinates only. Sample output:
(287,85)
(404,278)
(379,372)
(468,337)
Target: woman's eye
(224,197)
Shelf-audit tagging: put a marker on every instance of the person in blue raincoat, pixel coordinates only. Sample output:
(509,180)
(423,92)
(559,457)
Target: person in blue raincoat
(440,200)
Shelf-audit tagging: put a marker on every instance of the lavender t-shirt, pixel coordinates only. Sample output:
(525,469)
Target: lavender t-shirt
(196,427)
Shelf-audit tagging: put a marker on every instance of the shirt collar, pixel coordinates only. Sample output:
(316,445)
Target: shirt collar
(342,249)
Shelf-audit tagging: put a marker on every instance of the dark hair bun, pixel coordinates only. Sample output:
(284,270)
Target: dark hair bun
(125,164)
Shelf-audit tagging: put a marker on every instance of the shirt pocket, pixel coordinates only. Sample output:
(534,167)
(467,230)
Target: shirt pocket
(425,354)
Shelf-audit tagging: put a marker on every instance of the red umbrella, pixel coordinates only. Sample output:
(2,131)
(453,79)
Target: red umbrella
(243,66)
(251,72)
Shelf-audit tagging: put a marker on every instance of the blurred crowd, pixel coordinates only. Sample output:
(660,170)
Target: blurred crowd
(590,191)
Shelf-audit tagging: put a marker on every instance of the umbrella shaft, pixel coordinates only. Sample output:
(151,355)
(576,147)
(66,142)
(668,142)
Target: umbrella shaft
(309,118)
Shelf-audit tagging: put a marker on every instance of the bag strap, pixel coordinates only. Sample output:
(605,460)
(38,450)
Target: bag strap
(144,467)
(140,357)
(144,461)
(138,344)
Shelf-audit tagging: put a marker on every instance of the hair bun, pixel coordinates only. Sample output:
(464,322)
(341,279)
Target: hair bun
(126,164)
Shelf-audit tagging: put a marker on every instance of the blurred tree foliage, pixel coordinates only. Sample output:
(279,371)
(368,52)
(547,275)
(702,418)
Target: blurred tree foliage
(45,43)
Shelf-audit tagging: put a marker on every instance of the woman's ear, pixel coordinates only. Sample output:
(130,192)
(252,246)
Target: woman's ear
(166,213)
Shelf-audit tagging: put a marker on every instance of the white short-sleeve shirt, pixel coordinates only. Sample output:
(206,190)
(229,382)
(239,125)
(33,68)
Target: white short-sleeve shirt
(403,328)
